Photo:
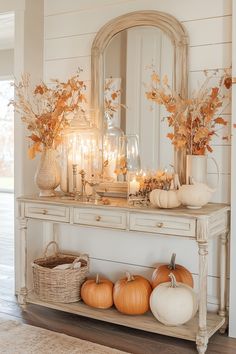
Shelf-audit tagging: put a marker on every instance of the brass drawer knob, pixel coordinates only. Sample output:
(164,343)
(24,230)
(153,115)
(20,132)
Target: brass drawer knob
(45,211)
(98,218)
(160,224)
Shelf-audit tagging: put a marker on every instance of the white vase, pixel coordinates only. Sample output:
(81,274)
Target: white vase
(196,168)
(47,176)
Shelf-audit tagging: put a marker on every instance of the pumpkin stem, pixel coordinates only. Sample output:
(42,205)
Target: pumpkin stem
(97,279)
(129,276)
(171,266)
(173,281)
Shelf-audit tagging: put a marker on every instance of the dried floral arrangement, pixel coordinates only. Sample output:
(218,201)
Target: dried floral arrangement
(161,179)
(195,120)
(46,110)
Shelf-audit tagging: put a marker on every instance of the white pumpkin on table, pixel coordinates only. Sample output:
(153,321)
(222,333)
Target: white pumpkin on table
(173,303)
(164,198)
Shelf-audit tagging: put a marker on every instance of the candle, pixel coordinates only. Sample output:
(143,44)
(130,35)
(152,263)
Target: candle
(133,186)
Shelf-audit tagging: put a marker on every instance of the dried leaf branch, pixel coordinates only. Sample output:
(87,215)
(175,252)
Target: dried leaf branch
(45,110)
(194,121)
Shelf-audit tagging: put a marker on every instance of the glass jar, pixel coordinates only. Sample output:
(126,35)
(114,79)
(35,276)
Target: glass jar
(112,135)
(128,157)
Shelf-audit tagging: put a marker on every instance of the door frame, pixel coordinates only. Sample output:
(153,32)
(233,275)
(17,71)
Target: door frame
(232,291)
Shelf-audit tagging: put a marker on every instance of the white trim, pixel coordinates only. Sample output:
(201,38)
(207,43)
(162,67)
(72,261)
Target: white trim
(19,135)
(6,77)
(232,295)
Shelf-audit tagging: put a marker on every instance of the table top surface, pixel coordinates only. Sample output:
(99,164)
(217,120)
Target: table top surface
(121,203)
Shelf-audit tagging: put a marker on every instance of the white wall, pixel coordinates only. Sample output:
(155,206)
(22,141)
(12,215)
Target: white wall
(70,27)
(6,62)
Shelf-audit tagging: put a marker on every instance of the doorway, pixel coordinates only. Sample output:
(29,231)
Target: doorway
(6,156)
(6,136)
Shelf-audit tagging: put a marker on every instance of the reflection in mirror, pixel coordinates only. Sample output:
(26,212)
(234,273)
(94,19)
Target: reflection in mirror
(129,59)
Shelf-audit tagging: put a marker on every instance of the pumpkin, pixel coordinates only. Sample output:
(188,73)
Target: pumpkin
(131,295)
(162,271)
(97,293)
(164,199)
(173,303)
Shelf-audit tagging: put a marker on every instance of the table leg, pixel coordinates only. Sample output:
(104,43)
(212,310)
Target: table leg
(223,278)
(23,261)
(202,337)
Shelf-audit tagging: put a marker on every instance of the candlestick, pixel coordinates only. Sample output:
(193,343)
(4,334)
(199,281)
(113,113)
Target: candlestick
(75,175)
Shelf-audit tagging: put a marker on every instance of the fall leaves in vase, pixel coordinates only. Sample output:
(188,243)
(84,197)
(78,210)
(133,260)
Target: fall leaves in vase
(46,110)
(197,119)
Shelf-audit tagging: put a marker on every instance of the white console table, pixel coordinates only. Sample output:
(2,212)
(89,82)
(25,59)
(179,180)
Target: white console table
(199,225)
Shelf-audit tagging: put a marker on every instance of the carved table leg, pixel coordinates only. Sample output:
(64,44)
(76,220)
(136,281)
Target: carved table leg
(223,279)
(202,336)
(23,261)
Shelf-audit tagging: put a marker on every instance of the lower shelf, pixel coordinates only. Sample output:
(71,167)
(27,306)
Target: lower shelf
(145,322)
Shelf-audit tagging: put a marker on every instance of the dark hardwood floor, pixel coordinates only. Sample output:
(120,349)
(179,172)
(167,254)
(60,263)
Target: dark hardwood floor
(129,340)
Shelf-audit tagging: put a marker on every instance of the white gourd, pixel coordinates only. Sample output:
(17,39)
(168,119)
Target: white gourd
(195,195)
(173,303)
(164,199)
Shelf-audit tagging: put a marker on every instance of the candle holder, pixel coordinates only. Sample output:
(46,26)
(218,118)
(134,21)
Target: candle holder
(91,192)
(76,193)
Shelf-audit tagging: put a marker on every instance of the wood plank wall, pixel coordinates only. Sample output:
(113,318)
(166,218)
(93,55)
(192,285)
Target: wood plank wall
(70,27)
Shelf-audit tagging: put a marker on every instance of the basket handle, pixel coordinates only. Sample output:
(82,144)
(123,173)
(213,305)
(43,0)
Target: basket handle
(46,249)
(84,257)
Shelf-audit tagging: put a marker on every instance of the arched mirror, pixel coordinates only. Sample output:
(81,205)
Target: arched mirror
(124,53)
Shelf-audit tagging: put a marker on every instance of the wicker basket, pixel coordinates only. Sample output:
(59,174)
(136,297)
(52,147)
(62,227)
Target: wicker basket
(59,285)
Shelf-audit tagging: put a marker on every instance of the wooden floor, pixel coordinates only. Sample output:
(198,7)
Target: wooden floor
(129,340)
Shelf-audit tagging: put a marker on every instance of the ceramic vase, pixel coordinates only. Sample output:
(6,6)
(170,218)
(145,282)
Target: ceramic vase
(196,168)
(47,176)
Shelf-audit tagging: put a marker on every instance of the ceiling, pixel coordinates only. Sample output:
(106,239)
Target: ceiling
(6,31)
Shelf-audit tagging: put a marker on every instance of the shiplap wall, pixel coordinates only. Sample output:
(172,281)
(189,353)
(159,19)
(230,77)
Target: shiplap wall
(70,27)
(6,63)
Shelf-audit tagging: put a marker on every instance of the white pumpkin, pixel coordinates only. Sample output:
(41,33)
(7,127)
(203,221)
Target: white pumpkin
(164,199)
(173,303)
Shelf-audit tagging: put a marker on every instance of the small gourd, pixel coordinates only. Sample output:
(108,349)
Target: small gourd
(172,303)
(97,293)
(162,271)
(164,199)
(131,295)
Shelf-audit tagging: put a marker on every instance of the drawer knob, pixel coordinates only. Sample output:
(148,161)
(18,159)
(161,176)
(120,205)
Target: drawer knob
(45,211)
(98,218)
(160,224)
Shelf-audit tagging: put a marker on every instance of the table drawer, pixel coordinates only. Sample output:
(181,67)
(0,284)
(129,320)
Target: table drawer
(162,224)
(98,217)
(47,212)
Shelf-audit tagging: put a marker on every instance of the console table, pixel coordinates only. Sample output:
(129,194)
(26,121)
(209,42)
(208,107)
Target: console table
(198,225)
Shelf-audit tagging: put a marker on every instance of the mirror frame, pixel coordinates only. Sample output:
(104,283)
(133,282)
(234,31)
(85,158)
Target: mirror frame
(178,36)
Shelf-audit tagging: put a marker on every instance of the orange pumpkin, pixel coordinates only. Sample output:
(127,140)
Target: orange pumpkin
(97,293)
(162,271)
(131,294)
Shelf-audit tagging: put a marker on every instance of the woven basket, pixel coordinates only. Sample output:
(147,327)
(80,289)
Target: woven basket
(59,285)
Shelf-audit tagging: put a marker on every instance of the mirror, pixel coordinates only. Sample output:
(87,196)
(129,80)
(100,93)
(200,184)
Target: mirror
(129,60)
(124,54)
